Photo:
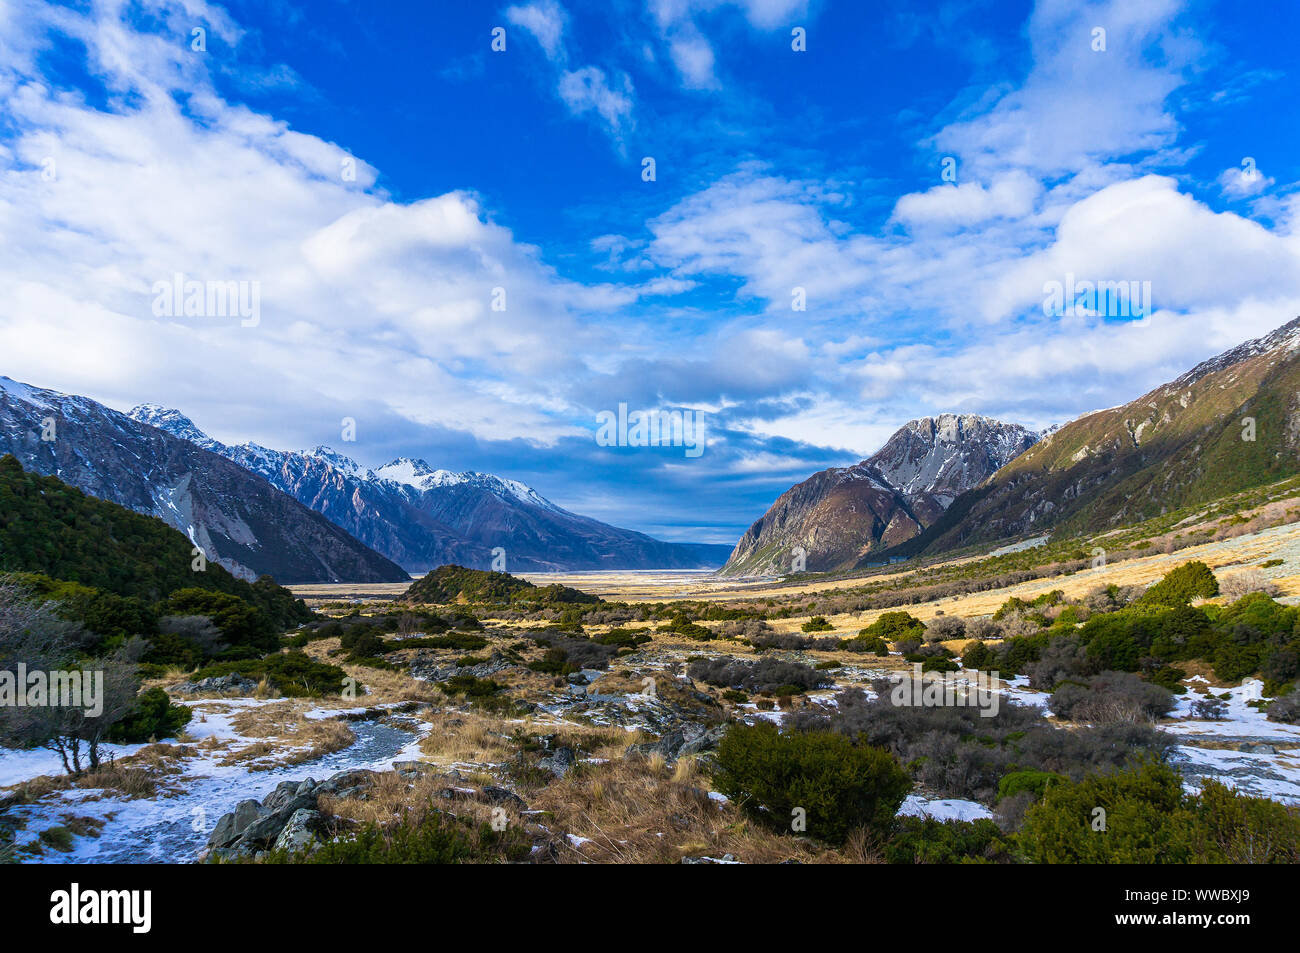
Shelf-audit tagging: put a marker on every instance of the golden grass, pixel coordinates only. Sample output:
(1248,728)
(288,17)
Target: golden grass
(639,811)
(284,727)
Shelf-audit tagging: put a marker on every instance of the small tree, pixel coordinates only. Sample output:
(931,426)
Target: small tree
(32,635)
(820,778)
(1180,586)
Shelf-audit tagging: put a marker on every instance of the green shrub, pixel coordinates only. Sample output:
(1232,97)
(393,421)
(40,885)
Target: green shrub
(817,623)
(895,627)
(928,841)
(866,643)
(1035,782)
(435,839)
(1149,819)
(153,716)
(470,686)
(1180,586)
(293,673)
(841,786)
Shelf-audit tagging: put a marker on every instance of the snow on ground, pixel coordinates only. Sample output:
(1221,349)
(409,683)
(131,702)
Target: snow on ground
(174,826)
(1212,749)
(948,809)
(18,766)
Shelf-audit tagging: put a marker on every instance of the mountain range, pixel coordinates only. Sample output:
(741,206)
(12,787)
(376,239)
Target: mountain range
(421,517)
(843,515)
(238,519)
(1228,424)
(950,482)
(313,515)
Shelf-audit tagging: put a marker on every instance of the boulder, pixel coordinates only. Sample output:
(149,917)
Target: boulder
(560,762)
(300,833)
(232,684)
(231,826)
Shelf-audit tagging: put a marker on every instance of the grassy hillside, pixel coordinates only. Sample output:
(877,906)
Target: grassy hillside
(50,528)
(451,584)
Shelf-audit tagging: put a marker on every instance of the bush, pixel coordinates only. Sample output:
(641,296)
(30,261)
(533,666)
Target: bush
(956,752)
(1180,586)
(1210,709)
(895,627)
(983,628)
(294,674)
(866,643)
(945,627)
(153,716)
(434,839)
(924,840)
(1033,782)
(817,623)
(1111,697)
(765,675)
(1246,582)
(241,624)
(841,786)
(792,642)
(1148,819)
(460,641)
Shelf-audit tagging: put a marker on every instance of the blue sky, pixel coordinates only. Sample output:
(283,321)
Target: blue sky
(1162,150)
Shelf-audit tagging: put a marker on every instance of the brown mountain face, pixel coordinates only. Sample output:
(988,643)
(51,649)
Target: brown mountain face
(1229,424)
(846,515)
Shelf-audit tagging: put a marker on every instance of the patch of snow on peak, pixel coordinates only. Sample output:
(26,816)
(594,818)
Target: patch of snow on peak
(37,396)
(338,461)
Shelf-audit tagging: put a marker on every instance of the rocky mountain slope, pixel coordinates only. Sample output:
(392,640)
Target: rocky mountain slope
(422,517)
(845,515)
(1228,424)
(242,522)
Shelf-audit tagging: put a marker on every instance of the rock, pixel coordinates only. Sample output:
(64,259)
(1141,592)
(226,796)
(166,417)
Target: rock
(702,742)
(232,684)
(231,826)
(264,831)
(300,833)
(1256,748)
(496,795)
(560,762)
(347,783)
(724,859)
(686,739)
(282,795)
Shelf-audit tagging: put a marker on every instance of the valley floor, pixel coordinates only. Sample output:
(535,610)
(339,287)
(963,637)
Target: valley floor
(162,801)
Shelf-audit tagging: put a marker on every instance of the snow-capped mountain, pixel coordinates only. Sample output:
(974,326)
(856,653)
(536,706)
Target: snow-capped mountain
(241,521)
(422,517)
(840,515)
(1229,424)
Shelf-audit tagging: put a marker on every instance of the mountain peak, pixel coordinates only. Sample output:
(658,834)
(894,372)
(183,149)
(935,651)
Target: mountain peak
(339,461)
(173,422)
(1285,338)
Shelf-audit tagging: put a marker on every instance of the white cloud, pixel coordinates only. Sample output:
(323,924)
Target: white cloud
(1012,195)
(544,20)
(1239,182)
(689,48)
(588,89)
(1079,105)
(366,303)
